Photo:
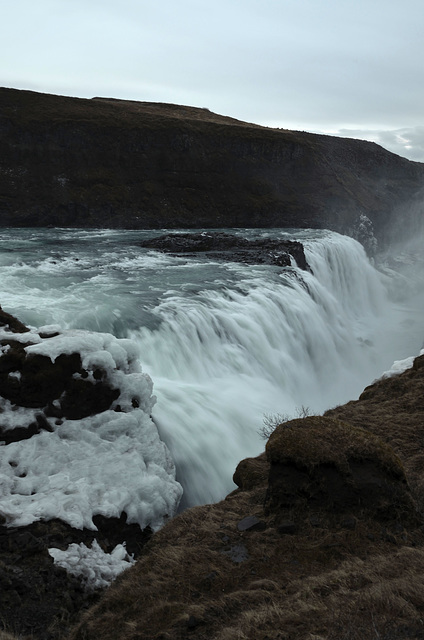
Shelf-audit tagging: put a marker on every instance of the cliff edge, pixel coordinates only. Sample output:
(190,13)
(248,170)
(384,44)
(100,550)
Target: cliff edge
(116,163)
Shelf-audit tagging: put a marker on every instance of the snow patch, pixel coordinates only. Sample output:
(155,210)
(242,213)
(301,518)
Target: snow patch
(96,568)
(107,464)
(399,366)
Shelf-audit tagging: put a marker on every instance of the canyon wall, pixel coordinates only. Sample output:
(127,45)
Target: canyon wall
(112,163)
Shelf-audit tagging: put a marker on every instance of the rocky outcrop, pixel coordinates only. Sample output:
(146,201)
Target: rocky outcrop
(393,409)
(330,467)
(115,163)
(40,394)
(231,248)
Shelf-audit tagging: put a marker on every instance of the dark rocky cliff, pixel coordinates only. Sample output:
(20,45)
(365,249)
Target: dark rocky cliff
(113,163)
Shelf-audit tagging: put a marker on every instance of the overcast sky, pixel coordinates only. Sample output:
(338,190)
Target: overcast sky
(349,67)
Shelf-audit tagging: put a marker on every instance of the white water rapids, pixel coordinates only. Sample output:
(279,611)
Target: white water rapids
(224,343)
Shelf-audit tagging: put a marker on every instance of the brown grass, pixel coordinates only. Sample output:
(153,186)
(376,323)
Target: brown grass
(185,584)
(393,409)
(318,440)
(326,582)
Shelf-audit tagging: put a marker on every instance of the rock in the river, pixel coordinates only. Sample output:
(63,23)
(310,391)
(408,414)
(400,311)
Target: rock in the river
(231,248)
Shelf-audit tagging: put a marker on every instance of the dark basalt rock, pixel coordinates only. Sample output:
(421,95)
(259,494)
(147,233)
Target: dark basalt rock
(83,398)
(252,472)
(230,248)
(34,381)
(36,596)
(251,523)
(12,323)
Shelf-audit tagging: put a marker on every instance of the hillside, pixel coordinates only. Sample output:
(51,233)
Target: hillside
(115,163)
(323,539)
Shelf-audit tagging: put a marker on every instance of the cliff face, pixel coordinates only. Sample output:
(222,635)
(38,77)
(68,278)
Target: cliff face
(113,163)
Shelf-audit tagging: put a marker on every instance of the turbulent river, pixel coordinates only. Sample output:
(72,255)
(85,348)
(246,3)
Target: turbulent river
(224,343)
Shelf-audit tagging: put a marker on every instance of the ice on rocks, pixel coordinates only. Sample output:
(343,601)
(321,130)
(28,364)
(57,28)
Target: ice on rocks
(106,464)
(399,366)
(96,568)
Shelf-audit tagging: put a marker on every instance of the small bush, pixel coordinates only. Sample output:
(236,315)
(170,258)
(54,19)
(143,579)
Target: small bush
(272,420)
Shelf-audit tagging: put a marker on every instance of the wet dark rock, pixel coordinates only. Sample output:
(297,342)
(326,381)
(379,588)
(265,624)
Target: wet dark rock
(44,381)
(10,322)
(36,594)
(13,359)
(231,248)
(24,433)
(48,334)
(114,531)
(83,398)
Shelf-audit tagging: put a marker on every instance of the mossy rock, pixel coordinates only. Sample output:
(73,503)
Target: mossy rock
(315,440)
(329,465)
(251,473)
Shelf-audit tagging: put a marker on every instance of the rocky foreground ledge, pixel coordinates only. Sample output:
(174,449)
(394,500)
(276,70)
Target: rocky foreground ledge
(322,539)
(84,478)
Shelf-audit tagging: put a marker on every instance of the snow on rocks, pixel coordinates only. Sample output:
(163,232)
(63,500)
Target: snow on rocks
(96,568)
(399,366)
(78,439)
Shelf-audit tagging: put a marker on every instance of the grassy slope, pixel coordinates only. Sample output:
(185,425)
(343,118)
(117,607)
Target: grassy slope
(330,580)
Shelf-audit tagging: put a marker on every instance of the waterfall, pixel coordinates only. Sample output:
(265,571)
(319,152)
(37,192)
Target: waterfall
(270,344)
(224,343)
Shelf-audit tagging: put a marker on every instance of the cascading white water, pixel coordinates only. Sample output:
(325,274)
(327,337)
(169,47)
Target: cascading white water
(223,343)
(272,344)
